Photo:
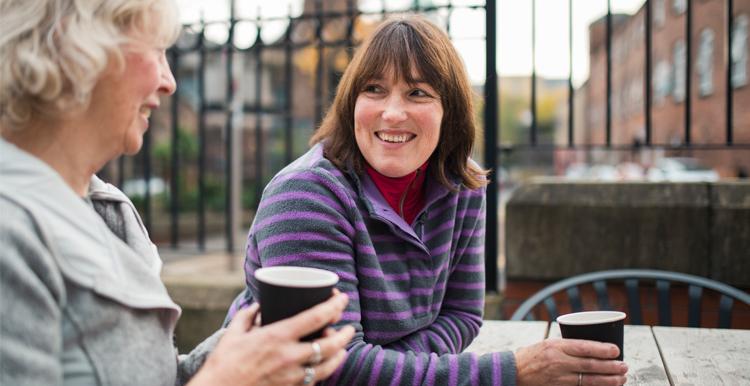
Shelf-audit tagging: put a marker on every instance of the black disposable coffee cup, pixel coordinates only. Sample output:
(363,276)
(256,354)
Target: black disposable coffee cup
(601,326)
(285,291)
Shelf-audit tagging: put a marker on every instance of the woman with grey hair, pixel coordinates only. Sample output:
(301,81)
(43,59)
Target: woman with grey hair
(80,297)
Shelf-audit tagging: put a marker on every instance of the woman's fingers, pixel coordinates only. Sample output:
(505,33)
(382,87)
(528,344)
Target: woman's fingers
(600,366)
(590,349)
(329,345)
(593,357)
(313,319)
(296,375)
(325,369)
(559,361)
(333,342)
(243,319)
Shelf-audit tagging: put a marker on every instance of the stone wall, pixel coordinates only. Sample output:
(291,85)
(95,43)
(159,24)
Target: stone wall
(555,229)
(204,286)
(204,307)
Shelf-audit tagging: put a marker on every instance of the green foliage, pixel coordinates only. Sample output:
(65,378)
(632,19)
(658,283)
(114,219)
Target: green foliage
(187,148)
(213,200)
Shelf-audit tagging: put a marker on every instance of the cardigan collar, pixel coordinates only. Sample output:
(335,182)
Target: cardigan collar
(84,248)
(404,194)
(380,209)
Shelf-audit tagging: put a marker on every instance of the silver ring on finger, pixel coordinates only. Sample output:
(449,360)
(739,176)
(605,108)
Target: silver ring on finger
(317,355)
(580,379)
(309,376)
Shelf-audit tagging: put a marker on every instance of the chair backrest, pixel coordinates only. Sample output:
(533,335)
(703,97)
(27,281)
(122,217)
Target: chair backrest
(634,280)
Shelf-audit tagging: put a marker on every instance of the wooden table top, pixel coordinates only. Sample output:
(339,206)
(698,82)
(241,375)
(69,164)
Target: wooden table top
(655,355)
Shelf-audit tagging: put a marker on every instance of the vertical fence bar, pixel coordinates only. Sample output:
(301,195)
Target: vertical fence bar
(288,103)
(319,67)
(728,63)
(229,136)
(202,139)
(571,95)
(174,196)
(647,75)
(532,130)
(491,130)
(449,7)
(688,69)
(259,148)
(352,13)
(147,177)
(609,75)
(350,10)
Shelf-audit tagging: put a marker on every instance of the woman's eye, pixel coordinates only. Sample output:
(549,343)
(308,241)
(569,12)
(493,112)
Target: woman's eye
(419,93)
(372,88)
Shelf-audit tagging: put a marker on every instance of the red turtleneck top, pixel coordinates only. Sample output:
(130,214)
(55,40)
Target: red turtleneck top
(404,194)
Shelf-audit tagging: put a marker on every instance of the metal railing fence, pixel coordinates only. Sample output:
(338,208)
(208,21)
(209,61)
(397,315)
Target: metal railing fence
(204,59)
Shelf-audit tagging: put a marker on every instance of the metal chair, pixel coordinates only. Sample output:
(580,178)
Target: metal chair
(631,279)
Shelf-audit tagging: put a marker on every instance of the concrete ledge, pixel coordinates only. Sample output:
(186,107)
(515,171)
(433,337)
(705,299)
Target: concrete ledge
(555,229)
(730,233)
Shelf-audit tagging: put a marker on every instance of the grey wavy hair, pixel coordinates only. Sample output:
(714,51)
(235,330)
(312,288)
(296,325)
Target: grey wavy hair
(52,52)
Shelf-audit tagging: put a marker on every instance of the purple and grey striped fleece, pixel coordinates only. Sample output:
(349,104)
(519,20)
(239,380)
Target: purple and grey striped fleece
(416,291)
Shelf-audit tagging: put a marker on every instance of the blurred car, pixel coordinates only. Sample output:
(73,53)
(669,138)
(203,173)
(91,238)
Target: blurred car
(602,172)
(630,171)
(576,171)
(681,169)
(137,187)
(595,172)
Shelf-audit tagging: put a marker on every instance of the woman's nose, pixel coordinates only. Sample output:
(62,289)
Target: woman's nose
(168,84)
(394,110)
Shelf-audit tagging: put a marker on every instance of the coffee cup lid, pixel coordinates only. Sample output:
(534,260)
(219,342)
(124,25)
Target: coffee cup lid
(590,317)
(302,277)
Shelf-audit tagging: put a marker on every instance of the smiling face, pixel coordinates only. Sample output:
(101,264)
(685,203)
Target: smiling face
(124,97)
(397,124)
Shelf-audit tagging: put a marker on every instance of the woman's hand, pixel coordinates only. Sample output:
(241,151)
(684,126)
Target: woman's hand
(560,361)
(273,355)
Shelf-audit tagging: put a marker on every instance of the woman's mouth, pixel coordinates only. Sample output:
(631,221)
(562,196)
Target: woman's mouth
(394,138)
(145,111)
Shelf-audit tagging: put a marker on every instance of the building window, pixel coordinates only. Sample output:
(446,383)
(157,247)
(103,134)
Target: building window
(678,71)
(662,81)
(704,63)
(658,14)
(636,94)
(679,6)
(739,51)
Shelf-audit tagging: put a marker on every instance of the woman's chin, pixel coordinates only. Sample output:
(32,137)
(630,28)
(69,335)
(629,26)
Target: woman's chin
(395,171)
(132,148)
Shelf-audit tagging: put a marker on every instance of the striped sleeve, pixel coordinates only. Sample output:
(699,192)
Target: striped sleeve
(307,218)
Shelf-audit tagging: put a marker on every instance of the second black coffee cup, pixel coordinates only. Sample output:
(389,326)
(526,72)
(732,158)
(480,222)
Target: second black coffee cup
(285,291)
(601,326)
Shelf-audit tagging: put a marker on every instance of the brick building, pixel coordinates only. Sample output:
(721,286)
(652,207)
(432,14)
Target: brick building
(668,85)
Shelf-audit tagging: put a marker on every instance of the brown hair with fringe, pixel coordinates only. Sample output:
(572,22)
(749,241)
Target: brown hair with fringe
(405,44)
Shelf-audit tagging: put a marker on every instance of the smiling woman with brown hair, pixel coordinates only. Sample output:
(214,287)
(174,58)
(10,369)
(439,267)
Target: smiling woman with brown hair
(389,199)
(81,301)
(403,48)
